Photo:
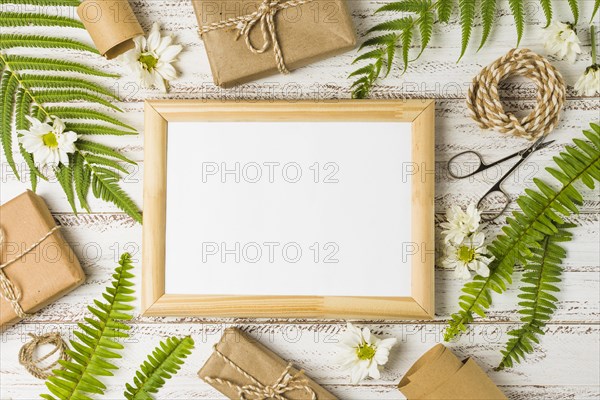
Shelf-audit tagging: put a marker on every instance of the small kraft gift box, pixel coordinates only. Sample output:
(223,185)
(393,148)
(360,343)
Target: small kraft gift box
(242,368)
(37,265)
(250,39)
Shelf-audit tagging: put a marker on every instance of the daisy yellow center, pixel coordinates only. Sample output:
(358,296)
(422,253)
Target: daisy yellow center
(148,60)
(365,351)
(466,254)
(50,140)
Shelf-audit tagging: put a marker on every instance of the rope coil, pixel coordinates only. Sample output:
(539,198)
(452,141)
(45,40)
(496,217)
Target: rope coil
(31,364)
(486,109)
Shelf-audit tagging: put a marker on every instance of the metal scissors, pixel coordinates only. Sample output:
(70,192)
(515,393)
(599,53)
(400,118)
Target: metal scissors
(496,194)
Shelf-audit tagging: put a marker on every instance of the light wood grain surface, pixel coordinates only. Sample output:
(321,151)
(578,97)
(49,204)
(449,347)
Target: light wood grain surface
(565,366)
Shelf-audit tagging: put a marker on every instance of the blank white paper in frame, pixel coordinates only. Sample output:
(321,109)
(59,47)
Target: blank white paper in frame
(289,208)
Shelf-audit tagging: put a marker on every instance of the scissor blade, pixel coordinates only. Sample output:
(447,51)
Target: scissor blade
(544,145)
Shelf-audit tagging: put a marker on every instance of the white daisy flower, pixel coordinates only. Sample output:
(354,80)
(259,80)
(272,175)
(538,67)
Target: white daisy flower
(589,83)
(151,59)
(562,41)
(50,145)
(362,353)
(460,224)
(469,255)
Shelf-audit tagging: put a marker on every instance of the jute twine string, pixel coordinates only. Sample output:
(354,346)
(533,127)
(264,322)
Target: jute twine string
(32,364)
(9,290)
(257,391)
(265,17)
(484,101)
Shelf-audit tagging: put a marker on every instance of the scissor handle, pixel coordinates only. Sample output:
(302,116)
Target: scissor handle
(490,215)
(453,161)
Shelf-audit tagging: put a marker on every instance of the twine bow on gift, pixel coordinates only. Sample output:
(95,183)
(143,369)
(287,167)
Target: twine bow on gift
(8,290)
(257,391)
(265,18)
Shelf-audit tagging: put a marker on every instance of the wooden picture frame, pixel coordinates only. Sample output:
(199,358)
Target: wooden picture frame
(158,115)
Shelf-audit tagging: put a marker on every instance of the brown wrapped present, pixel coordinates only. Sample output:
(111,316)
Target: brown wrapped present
(250,39)
(242,368)
(37,266)
(439,375)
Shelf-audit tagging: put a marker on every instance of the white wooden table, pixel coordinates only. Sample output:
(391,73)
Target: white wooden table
(565,365)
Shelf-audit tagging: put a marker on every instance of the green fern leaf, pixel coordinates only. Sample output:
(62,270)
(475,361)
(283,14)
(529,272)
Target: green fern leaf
(14,19)
(82,178)
(518,10)
(547,8)
(393,25)
(65,95)
(415,6)
(373,54)
(574,4)
(541,210)
(23,106)
(425,23)
(8,91)
(64,82)
(8,41)
(488,12)
(97,148)
(95,129)
(596,8)
(76,113)
(542,272)
(467,16)
(95,341)
(444,10)
(20,63)
(406,39)
(105,186)
(64,175)
(164,362)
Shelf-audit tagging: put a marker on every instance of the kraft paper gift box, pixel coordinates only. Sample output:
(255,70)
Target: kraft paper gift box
(44,273)
(240,362)
(440,375)
(309,32)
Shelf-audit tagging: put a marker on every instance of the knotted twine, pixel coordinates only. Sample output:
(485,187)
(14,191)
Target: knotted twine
(9,290)
(265,17)
(484,102)
(26,354)
(257,391)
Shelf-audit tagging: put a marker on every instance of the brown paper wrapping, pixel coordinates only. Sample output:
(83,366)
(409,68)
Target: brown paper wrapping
(306,33)
(111,24)
(46,273)
(257,361)
(439,375)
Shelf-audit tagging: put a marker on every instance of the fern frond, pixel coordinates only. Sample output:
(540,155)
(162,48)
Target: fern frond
(444,10)
(65,95)
(8,41)
(518,10)
(22,107)
(164,362)
(596,8)
(8,91)
(425,23)
(95,129)
(77,113)
(414,6)
(574,5)
(540,212)
(105,186)
(86,146)
(547,8)
(488,12)
(64,82)
(21,63)
(64,175)
(467,16)
(82,178)
(96,341)
(14,19)
(542,272)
